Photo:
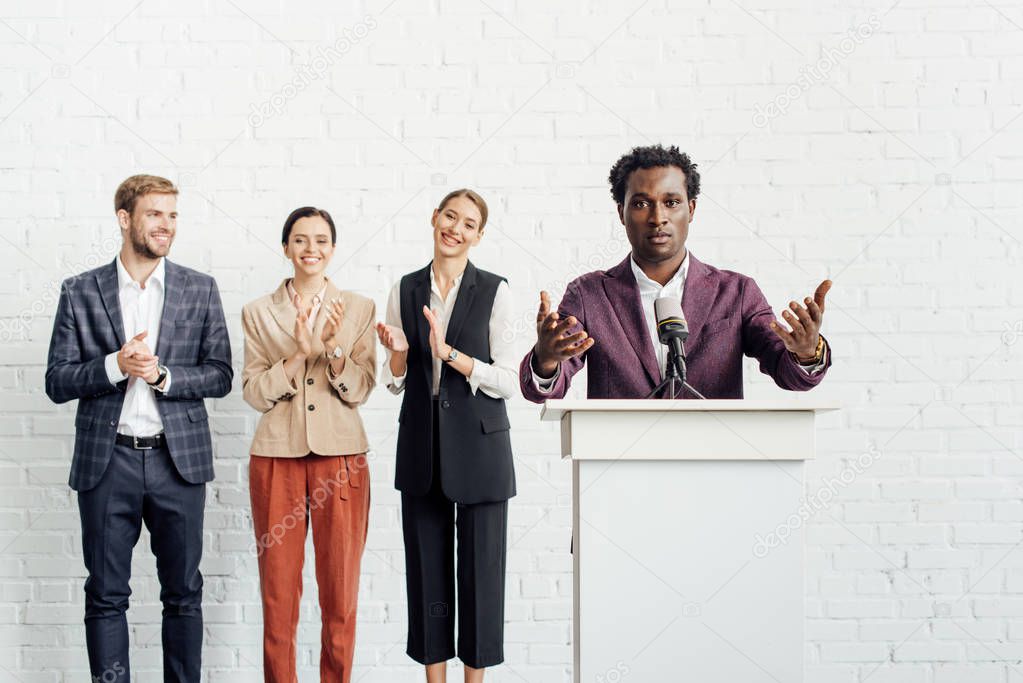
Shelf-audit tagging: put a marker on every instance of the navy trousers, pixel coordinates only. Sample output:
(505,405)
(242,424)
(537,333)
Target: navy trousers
(143,486)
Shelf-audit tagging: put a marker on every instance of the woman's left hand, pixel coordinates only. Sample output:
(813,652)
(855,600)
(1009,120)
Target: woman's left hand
(438,346)
(335,312)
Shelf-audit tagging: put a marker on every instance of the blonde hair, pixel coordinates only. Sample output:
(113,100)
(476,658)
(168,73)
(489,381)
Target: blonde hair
(472,197)
(137,186)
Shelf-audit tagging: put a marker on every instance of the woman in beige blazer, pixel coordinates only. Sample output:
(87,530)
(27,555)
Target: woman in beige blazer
(310,360)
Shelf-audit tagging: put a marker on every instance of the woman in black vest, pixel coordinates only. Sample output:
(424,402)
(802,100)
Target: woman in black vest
(446,334)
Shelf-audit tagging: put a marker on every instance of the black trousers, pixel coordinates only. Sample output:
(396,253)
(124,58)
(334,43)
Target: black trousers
(431,525)
(142,486)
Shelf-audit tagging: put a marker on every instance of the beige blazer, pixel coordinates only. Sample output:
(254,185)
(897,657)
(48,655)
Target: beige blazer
(316,413)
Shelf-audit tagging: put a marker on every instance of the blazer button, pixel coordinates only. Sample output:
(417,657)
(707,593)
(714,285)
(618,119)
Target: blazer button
(445,404)
(312,407)
(309,381)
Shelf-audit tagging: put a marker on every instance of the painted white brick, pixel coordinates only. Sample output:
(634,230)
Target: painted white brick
(956,673)
(923,293)
(931,652)
(853,652)
(897,674)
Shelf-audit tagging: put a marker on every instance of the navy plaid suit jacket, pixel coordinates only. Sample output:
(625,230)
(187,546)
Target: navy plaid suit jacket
(193,344)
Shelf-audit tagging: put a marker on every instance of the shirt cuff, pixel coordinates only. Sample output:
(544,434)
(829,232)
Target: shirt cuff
(114,373)
(542,385)
(816,367)
(476,377)
(397,384)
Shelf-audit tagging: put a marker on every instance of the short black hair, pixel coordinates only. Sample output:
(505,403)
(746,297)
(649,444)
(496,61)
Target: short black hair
(651,157)
(306,212)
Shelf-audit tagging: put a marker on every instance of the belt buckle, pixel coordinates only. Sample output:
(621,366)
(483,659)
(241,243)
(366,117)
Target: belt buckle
(136,446)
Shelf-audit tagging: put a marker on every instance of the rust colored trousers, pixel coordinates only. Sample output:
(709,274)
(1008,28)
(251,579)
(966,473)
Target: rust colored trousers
(330,494)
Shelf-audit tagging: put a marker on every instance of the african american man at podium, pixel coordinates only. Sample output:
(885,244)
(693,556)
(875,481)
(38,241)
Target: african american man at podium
(606,318)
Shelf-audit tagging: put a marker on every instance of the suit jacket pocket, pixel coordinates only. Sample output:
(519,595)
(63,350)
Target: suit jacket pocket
(197,414)
(715,326)
(495,423)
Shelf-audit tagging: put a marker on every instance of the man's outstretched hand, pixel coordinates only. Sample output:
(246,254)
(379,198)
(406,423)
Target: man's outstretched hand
(553,341)
(805,323)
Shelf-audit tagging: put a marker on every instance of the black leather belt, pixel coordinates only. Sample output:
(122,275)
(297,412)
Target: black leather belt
(142,443)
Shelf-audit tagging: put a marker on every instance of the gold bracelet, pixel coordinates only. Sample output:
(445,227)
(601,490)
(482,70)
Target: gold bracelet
(818,354)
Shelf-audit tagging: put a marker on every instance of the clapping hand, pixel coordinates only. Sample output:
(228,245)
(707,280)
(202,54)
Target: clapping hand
(335,312)
(438,346)
(136,360)
(393,338)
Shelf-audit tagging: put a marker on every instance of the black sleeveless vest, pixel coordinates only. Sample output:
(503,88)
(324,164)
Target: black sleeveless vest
(476,463)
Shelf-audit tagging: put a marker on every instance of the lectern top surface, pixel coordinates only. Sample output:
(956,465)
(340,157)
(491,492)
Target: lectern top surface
(555,409)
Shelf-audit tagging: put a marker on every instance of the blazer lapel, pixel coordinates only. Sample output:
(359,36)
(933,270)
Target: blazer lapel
(174,287)
(422,298)
(282,310)
(623,293)
(463,304)
(698,296)
(106,279)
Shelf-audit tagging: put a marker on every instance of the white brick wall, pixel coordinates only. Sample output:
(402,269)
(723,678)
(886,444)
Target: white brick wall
(897,174)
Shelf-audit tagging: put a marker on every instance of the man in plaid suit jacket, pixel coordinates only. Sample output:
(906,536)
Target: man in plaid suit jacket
(142,451)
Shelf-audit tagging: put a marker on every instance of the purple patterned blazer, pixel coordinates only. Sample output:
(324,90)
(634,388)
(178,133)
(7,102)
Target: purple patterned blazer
(728,318)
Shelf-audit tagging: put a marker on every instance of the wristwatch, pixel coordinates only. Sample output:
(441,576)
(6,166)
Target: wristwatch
(818,354)
(451,356)
(162,369)
(335,354)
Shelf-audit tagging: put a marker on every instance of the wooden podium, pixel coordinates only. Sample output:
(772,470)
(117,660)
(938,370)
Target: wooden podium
(687,538)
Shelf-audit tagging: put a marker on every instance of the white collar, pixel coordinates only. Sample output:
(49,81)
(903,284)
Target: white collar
(645,282)
(433,280)
(124,278)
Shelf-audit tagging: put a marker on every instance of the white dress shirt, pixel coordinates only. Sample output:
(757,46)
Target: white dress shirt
(649,290)
(141,309)
(498,379)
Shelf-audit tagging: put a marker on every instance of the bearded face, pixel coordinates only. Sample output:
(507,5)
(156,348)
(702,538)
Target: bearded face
(151,227)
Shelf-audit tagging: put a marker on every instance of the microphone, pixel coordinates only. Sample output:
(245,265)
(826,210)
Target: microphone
(672,328)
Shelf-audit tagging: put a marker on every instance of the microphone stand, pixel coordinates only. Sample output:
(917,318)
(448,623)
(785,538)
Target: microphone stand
(675,375)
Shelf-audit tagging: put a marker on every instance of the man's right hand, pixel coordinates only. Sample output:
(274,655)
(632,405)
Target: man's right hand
(554,343)
(135,359)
